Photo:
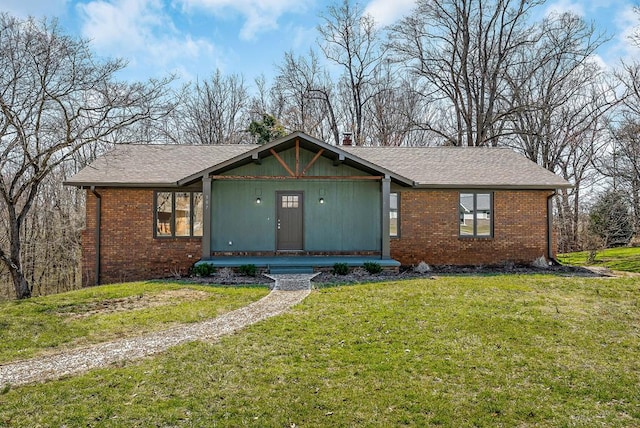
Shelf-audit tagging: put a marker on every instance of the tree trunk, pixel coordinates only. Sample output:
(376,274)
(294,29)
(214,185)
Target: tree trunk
(20,284)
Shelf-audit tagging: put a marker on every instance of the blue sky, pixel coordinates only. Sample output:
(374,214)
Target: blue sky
(194,37)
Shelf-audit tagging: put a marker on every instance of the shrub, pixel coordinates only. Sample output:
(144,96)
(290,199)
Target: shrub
(248,270)
(203,269)
(340,268)
(372,267)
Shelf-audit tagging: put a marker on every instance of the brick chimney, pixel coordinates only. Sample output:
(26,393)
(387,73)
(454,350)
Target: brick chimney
(346,138)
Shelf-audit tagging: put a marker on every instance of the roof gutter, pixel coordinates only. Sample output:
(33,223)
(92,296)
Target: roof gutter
(147,185)
(97,237)
(419,185)
(550,228)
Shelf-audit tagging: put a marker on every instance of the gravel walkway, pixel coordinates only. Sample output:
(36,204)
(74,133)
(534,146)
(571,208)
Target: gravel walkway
(80,360)
(292,281)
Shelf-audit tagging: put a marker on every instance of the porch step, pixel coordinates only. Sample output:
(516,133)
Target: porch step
(290,269)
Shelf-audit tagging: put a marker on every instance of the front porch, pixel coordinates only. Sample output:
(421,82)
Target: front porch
(297,264)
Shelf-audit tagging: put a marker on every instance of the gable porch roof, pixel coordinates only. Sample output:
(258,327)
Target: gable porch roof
(335,153)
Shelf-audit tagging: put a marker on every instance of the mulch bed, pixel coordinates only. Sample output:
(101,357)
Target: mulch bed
(359,275)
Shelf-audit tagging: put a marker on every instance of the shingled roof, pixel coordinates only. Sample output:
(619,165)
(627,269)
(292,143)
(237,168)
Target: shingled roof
(460,167)
(435,167)
(153,164)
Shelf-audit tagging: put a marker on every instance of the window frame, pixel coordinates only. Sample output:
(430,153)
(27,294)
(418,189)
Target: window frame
(397,211)
(172,224)
(475,194)
(156,214)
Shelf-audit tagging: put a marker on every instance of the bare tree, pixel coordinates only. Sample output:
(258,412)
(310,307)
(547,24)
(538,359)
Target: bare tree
(307,93)
(351,40)
(393,109)
(55,98)
(576,166)
(214,111)
(265,100)
(557,89)
(462,50)
(622,164)
(560,101)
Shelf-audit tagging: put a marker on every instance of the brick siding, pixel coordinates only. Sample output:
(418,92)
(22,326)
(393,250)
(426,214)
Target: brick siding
(428,232)
(429,229)
(128,250)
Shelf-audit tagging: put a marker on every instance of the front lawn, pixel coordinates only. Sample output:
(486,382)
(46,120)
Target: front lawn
(622,259)
(44,324)
(455,351)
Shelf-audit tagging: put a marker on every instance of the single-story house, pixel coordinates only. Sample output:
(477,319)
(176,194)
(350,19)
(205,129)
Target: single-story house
(155,210)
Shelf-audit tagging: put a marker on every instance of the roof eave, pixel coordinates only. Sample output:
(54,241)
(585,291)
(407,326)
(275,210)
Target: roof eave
(83,184)
(493,186)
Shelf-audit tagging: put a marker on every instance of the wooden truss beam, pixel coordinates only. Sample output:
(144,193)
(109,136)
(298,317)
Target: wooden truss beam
(295,173)
(302,177)
(310,164)
(283,163)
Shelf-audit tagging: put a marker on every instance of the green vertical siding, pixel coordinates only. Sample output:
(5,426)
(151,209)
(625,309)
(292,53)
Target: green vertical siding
(349,219)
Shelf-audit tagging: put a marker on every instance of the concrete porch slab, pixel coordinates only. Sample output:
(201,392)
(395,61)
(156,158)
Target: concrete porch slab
(299,262)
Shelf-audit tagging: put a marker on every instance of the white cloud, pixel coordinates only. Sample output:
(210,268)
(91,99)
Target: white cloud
(627,25)
(599,61)
(385,12)
(125,24)
(302,37)
(140,31)
(259,15)
(563,6)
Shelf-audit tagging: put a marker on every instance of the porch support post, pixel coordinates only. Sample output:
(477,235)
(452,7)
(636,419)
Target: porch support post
(206,217)
(386,241)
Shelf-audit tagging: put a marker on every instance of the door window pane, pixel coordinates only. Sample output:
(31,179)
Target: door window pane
(289,201)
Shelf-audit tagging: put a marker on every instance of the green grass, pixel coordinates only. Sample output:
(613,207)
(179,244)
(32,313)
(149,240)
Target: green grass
(456,351)
(622,259)
(31,327)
